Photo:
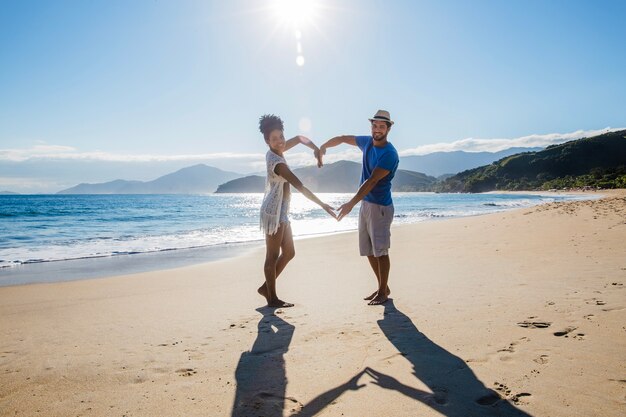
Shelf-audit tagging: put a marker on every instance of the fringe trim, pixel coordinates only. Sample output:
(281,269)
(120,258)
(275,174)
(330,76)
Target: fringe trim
(270,223)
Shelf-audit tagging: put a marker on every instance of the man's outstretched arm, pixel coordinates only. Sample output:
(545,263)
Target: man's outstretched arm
(330,143)
(365,188)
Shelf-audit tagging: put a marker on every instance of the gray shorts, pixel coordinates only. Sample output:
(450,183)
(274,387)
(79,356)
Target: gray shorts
(375,229)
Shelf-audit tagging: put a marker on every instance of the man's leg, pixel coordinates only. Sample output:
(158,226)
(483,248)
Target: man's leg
(383,278)
(376,268)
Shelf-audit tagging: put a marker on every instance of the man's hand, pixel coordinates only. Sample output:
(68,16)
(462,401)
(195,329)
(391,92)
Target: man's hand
(319,153)
(382,380)
(344,210)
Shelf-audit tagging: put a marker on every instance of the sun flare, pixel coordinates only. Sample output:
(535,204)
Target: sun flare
(297,17)
(295,12)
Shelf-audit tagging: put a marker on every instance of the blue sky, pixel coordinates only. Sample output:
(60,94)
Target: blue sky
(186,81)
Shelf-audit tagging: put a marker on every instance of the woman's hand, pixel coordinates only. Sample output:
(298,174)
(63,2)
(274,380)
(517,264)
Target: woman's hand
(318,155)
(329,210)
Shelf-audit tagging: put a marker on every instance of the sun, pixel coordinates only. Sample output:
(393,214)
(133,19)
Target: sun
(295,12)
(298,17)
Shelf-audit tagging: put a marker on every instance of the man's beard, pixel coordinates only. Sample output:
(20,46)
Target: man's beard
(379,138)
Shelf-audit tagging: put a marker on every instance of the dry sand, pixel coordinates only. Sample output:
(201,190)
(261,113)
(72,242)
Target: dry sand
(513,314)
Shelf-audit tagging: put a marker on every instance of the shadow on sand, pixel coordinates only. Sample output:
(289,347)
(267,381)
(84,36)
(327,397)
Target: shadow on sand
(455,389)
(260,373)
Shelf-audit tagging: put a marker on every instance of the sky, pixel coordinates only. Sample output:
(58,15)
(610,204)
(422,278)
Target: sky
(105,89)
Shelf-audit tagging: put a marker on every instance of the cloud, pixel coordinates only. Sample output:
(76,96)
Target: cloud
(256,161)
(54,152)
(24,184)
(496,145)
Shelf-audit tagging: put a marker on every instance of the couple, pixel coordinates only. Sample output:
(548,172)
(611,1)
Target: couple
(380,162)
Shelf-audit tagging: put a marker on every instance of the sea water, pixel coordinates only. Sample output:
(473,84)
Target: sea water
(53,228)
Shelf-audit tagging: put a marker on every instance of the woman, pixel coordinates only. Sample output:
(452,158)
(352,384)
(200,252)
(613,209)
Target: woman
(275,207)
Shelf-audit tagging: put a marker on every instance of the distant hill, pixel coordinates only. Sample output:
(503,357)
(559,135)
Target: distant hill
(8,193)
(249,184)
(197,179)
(441,163)
(339,177)
(599,161)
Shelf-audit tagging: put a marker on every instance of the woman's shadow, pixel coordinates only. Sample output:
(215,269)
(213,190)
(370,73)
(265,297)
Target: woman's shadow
(260,374)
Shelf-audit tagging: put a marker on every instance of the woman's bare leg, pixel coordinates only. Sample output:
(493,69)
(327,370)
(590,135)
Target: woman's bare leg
(279,251)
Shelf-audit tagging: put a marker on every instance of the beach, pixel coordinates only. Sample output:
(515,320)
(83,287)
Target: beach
(518,313)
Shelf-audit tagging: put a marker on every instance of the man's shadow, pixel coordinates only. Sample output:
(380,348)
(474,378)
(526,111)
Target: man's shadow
(456,391)
(260,374)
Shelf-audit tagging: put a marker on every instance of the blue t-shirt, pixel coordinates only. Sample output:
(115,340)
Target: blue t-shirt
(373,157)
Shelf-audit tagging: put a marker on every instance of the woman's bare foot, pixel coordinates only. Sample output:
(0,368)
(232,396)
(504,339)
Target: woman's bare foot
(276,302)
(371,297)
(263,291)
(279,303)
(378,300)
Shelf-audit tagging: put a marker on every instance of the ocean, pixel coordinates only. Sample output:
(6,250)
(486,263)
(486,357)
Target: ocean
(59,229)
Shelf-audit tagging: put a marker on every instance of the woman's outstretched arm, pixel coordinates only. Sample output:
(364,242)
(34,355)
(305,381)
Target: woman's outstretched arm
(296,140)
(284,171)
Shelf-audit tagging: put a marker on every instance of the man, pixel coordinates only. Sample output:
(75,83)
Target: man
(380,162)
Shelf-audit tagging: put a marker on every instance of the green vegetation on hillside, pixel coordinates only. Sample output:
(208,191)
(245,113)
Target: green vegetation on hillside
(597,162)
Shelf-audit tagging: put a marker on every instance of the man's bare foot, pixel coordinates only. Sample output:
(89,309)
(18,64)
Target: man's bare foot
(279,303)
(378,300)
(371,297)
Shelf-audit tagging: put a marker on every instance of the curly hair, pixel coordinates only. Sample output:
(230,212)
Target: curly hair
(269,123)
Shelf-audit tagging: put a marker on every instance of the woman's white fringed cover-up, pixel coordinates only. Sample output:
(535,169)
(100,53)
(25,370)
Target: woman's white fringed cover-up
(272,201)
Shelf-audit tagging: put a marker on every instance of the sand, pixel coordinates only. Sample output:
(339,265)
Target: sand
(521,313)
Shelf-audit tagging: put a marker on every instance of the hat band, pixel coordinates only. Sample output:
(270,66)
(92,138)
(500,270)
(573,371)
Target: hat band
(381,117)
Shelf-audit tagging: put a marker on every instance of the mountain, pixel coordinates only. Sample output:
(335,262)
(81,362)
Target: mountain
(8,193)
(197,179)
(598,161)
(340,177)
(440,163)
(249,184)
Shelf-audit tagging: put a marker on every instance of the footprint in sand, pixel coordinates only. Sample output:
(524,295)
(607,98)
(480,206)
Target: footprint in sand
(565,332)
(170,344)
(511,347)
(240,325)
(595,301)
(194,354)
(506,392)
(489,399)
(542,360)
(534,324)
(186,372)
(268,403)
(517,398)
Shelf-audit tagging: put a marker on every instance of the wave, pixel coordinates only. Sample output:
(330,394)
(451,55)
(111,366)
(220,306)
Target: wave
(16,263)
(140,231)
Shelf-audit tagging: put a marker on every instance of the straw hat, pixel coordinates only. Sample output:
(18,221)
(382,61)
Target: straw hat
(383,116)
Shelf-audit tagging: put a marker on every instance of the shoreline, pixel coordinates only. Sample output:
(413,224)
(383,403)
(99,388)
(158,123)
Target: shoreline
(102,267)
(517,314)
